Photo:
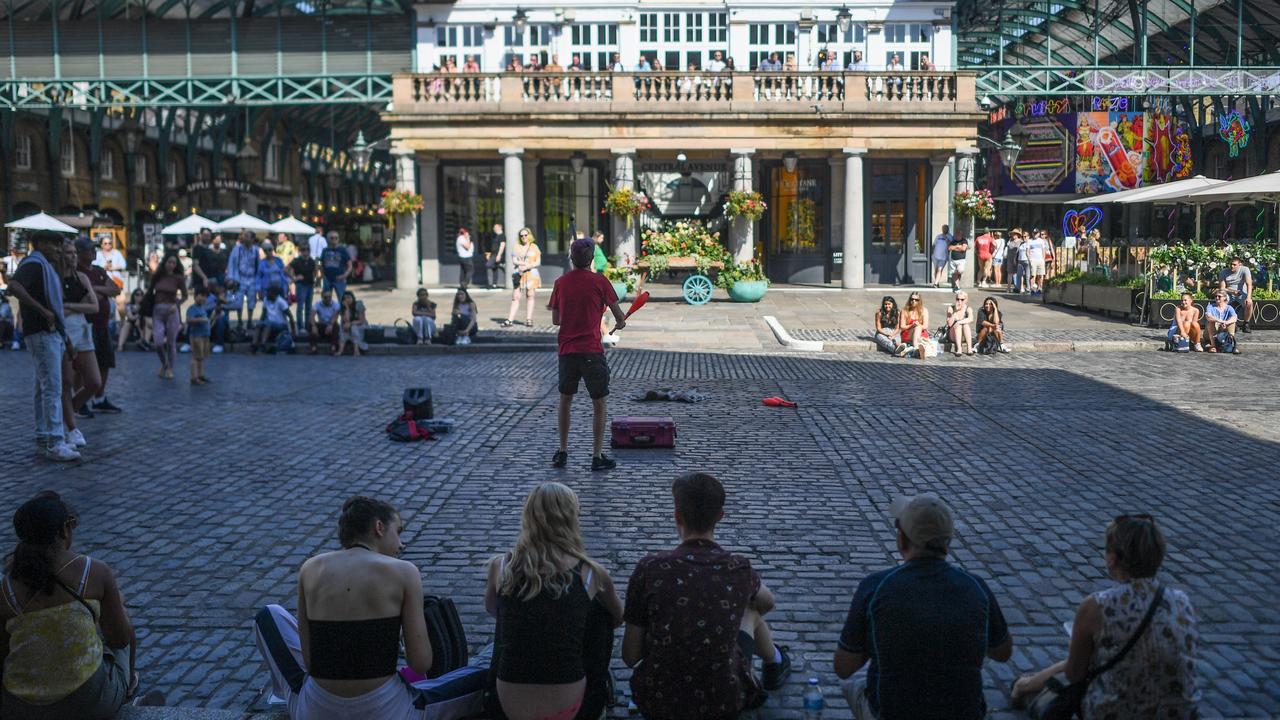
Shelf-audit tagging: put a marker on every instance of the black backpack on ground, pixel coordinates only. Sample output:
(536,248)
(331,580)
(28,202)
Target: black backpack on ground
(417,402)
(448,638)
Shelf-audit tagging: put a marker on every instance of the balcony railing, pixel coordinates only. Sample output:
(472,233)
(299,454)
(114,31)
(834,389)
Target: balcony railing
(689,92)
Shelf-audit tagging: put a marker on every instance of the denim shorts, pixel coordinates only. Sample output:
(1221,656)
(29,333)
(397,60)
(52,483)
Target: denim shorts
(80,332)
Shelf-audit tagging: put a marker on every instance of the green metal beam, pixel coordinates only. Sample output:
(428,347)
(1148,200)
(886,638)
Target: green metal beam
(340,89)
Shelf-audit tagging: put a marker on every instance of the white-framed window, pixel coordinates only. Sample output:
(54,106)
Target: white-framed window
(459,41)
(831,39)
(140,170)
(911,42)
(22,152)
(649,27)
(766,38)
(595,44)
(693,27)
(107,166)
(718,27)
(69,154)
(671,27)
(273,162)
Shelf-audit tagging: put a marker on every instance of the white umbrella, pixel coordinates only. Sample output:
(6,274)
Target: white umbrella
(41,221)
(190,225)
(244,221)
(1260,188)
(1170,192)
(292,226)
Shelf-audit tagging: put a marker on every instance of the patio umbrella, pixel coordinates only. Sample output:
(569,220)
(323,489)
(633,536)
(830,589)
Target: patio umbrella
(292,226)
(244,221)
(189,225)
(1173,193)
(1260,188)
(41,221)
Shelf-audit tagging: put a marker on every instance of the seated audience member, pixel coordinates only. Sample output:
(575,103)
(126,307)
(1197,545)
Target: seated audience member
(215,305)
(1186,323)
(1157,677)
(462,319)
(276,319)
(991,328)
(924,626)
(133,324)
(71,646)
(351,325)
(1220,324)
(887,325)
(695,617)
(337,660)
(1238,282)
(542,592)
(914,328)
(424,317)
(960,326)
(324,322)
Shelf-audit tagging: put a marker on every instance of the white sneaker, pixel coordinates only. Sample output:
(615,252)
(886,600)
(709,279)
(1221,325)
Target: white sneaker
(61,452)
(75,438)
(185,348)
(16,345)
(217,349)
(464,340)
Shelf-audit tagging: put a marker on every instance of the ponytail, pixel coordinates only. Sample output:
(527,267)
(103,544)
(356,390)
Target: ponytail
(38,523)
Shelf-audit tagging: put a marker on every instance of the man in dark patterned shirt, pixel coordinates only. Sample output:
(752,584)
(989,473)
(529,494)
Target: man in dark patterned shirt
(694,620)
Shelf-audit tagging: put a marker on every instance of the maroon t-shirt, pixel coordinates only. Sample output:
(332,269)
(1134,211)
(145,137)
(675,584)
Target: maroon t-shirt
(581,296)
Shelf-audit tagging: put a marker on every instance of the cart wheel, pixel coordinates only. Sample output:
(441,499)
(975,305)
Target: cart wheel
(697,289)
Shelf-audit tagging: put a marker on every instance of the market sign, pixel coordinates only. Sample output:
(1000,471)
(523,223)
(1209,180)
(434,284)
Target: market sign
(220,184)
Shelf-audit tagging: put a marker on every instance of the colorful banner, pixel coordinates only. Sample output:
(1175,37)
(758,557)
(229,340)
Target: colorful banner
(1046,163)
(1110,153)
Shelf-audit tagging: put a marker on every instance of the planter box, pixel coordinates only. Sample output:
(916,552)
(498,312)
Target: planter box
(1266,313)
(748,291)
(1071,294)
(1104,298)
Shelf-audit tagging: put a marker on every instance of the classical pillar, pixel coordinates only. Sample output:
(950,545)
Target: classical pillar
(406,225)
(853,272)
(966,165)
(742,237)
(429,181)
(624,233)
(533,216)
(512,200)
(939,208)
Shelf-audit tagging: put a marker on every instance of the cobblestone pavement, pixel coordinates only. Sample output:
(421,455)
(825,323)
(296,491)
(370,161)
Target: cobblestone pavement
(206,500)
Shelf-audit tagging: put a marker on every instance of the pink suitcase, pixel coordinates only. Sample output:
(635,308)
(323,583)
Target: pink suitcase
(643,432)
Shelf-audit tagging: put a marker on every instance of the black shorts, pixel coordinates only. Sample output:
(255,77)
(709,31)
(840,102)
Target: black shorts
(103,349)
(590,367)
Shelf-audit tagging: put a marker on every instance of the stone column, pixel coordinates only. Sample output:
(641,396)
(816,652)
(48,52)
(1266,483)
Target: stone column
(853,271)
(624,235)
(966,165)
(406,225)
(512,200)
(742,236)
(532,213)
(939,208)
(428,180)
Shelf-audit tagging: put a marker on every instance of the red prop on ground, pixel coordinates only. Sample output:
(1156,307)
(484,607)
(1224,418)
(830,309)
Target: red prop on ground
(778,402)
(636,304)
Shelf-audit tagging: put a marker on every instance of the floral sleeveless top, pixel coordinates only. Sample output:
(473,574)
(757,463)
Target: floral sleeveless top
(1157,679)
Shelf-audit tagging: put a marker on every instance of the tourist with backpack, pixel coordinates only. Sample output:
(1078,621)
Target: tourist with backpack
(1220,325)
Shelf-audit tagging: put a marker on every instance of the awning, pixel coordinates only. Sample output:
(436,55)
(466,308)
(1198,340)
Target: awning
(1048,199)
(41,221)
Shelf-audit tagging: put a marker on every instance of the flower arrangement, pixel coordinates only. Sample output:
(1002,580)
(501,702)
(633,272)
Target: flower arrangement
(748,271)
(748,204)
(974,204)
(624,275)
(682,239)
(625,203)
(1205,262)
(397,202)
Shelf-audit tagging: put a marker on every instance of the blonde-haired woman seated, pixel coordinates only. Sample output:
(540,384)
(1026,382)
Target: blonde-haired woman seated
(542,593)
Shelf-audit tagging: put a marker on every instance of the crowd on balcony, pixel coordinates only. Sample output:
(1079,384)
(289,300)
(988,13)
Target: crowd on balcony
(825,61)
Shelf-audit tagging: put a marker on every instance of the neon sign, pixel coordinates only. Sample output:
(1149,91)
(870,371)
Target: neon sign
(1234,129)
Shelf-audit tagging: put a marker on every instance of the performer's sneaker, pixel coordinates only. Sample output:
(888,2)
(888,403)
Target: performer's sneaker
(560,459)
(604,462)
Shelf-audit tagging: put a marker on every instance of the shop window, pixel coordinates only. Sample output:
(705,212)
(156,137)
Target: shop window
(472,199)
(570,203)
(22,152)
(273,162)
(796,211)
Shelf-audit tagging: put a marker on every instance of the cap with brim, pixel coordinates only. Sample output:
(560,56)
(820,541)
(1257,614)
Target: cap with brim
(923,518)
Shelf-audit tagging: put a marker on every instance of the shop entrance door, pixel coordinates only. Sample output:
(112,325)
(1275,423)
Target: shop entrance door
(895,204)
(797,236)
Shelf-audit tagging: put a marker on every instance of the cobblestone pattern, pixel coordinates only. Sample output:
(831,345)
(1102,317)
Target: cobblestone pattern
(206,500)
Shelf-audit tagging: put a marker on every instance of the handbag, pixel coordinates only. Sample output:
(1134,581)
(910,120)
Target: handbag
(1061,701)
(404,332)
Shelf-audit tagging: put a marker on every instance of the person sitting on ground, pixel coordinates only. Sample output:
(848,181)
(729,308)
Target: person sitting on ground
(351,326)
(70,651)
(133,323)
(960,326)
(1220,324)
(542,592)
(1238,282)
(271,272)
(323,324)
(424,317)
(462,318)
(924,627)
(276,319)
(363,597)
(1157,677)
(913,328)
(1186,324)
(991,328)
(695,617)
(887,325)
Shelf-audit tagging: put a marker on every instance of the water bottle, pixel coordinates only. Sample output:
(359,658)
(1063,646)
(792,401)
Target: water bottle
(813,701)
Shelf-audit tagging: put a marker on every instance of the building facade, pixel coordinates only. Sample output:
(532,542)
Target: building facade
(857,138)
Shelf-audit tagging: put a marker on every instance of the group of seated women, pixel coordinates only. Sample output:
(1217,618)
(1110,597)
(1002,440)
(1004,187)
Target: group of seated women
(905,332)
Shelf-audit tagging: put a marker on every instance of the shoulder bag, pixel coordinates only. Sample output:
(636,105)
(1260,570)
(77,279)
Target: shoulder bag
(1061,701)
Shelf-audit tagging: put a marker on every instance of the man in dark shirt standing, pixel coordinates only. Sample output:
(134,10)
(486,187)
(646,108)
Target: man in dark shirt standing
(103,348)
(495,257)
(209,256)
(695,617)
(302,273)
(925,626)
(577,302)
(39,293)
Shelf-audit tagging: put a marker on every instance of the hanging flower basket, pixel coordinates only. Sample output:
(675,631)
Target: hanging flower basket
(625,203)
(396,202)
(747,204)
(974,204)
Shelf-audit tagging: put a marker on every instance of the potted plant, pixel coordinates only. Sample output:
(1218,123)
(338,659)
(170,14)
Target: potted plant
(622,279)
(745,281)
(397,202)
(974,204)
(625,203)
(747,204)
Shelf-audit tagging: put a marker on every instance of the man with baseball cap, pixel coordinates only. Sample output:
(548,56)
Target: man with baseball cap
(925,626)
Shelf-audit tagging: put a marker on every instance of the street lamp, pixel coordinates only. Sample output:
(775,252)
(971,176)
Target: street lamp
(361,150)
(577,160)
(789,161)
(1010,149)
(520,19)
(844,19)
(246,151)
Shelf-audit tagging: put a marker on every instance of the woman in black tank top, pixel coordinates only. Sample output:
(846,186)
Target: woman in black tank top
(544,592)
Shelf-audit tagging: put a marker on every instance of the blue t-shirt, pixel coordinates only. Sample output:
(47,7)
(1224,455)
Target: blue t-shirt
(1226,314)
(197,329)
(333,261)
(926,627)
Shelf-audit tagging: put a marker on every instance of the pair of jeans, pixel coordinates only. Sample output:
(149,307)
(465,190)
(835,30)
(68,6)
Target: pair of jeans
(339,288)
(1022,281)
(221,326)
(495,269)
(424,327)
(46,351)
(164,332)
(303,309)
(466,268)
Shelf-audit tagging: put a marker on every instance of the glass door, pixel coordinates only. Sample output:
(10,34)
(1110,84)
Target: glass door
(895,202)
(797,242)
